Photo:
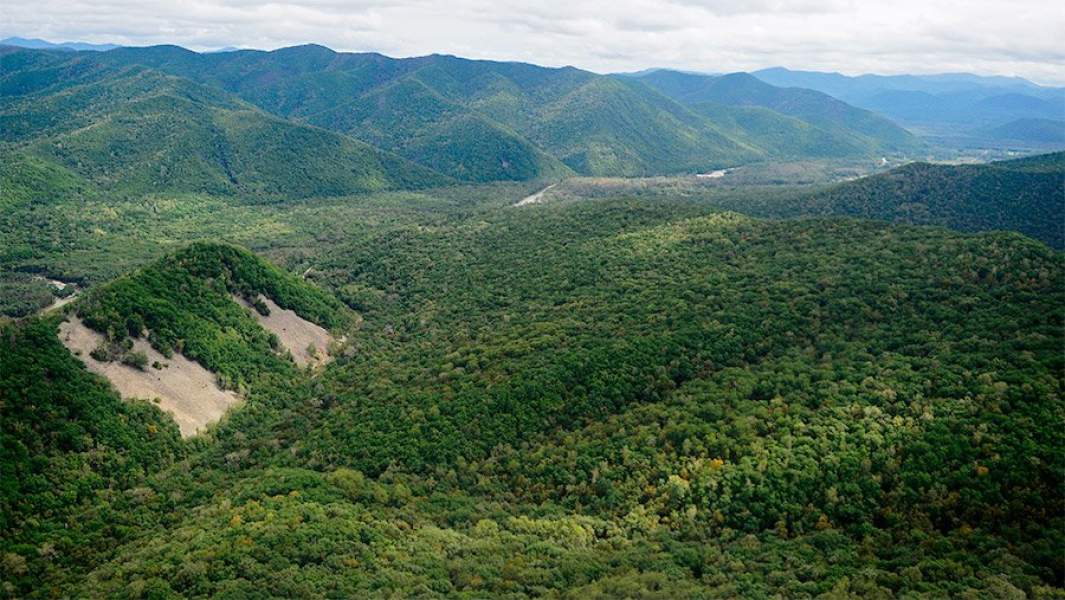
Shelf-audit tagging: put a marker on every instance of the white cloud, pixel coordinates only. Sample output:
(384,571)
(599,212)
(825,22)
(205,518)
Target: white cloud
(1022,37)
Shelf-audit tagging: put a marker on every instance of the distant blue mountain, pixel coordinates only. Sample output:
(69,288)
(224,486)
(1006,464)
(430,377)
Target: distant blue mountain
(849,88)
(949,104)
(40,44)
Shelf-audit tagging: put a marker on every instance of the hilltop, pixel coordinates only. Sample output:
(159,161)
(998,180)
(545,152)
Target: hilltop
(194,302)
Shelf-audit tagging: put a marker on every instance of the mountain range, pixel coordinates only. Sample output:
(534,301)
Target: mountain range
(463,119)
(132,130)
(950,110)
(845,125)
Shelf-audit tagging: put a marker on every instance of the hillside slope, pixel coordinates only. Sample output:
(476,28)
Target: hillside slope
(134,130)
(1042,131)
(1025,195)
(779,135)
(184,303)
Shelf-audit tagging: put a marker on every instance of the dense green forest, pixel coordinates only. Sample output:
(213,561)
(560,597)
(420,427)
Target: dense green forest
(597,398)
(1026,195)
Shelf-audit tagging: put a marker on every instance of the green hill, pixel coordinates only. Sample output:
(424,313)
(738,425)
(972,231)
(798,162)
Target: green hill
(1024,195)
(133,130)
(184,302)
(839,119)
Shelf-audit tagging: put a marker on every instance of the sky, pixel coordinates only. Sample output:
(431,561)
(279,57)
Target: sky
(988,37)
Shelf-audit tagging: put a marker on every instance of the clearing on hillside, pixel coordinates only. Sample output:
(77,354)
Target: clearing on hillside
(308,343)
(183,387)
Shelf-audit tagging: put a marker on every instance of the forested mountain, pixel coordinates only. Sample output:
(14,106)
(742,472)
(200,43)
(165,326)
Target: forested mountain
(747,384)
(484,120)
(843,122)
(782,135)
(475,120)
(635,399)
(133,130)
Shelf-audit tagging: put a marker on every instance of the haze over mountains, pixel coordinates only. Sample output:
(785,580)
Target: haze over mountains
(39,44)
(849,128)
(982,109)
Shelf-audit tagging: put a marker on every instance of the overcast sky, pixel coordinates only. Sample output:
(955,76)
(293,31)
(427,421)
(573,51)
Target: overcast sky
(1004,37)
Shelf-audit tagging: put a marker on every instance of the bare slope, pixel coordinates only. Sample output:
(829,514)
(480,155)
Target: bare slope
(308,343)
(182,387)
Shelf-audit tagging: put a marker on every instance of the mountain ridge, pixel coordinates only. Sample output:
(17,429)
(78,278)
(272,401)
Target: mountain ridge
(530,102)
(39,44)
(136,129)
